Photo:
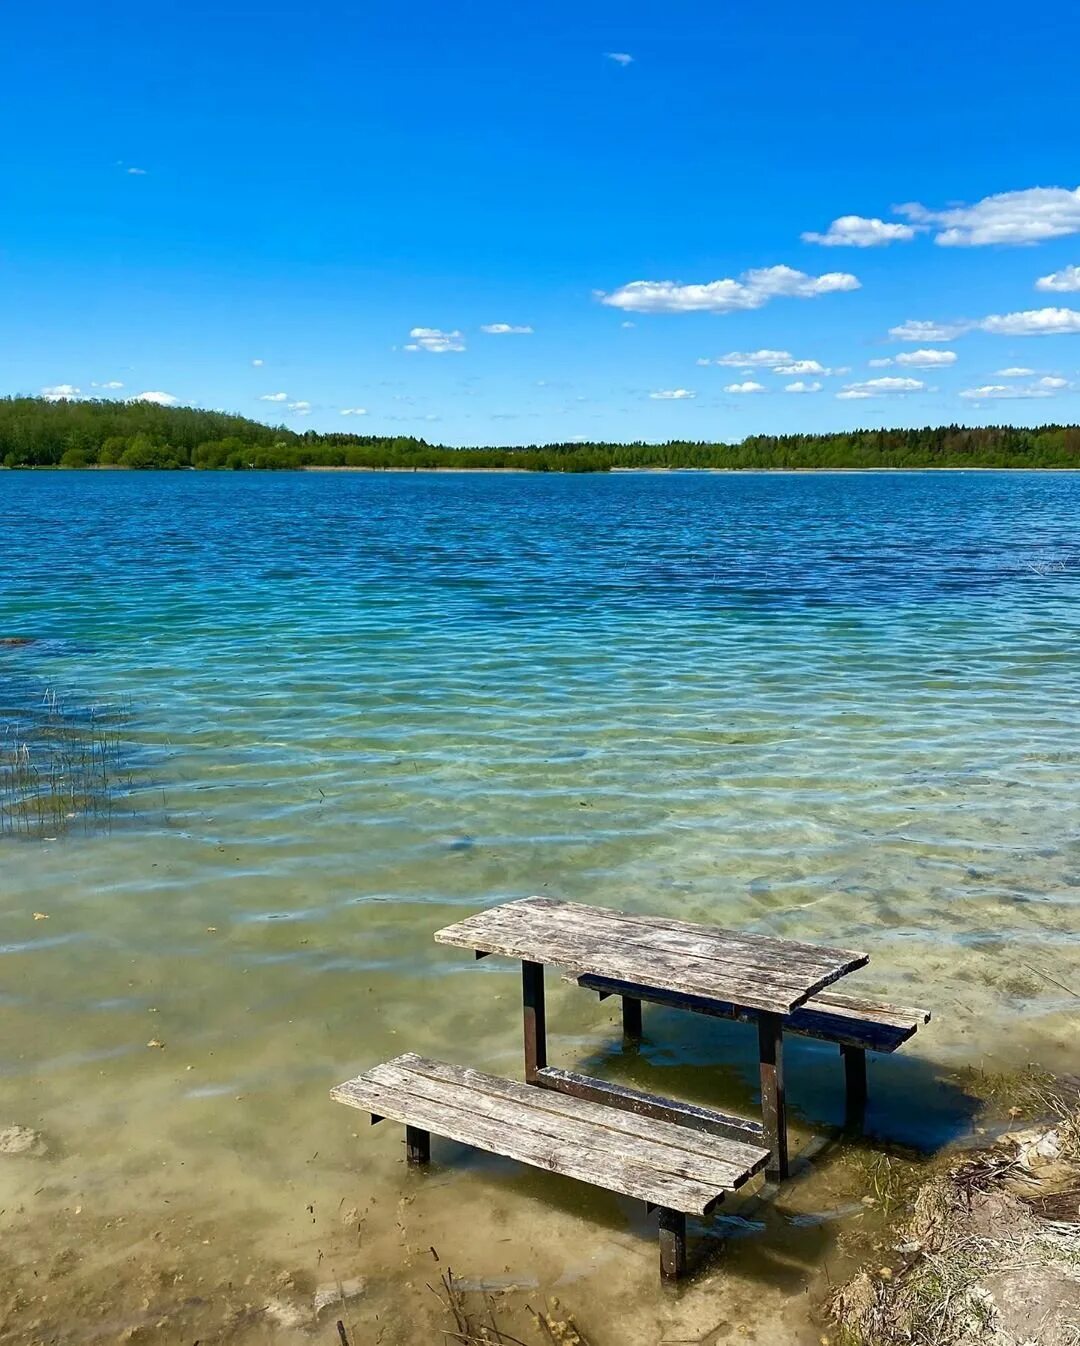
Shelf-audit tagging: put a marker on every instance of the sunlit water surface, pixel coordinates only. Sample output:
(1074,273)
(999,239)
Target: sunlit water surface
(836,707)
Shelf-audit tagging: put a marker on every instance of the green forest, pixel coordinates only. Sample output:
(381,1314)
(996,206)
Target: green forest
(36,433)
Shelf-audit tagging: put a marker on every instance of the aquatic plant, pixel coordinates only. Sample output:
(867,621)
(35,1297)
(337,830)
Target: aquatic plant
(61,764)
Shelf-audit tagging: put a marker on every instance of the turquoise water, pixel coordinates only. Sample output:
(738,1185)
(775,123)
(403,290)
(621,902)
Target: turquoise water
(839,707)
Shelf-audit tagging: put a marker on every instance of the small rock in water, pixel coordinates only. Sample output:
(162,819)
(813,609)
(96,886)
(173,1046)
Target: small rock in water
(337,1292)
(285,1313)
(16,640)
(20,1140)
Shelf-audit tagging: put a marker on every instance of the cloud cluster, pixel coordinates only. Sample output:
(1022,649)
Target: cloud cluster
(1064,281)
(1029,322)
(300,408)
(354,411)
(927,359)
(764,359)
(993,392)
(855,231)
(273,397)
(622,58)
(801,387)
(158,398)
(1029,216)
(60,392)
(434,340)
(884,387)
(1032,322)
(504,329)
(752,290)
(913,330)
(672,395)
(748,387)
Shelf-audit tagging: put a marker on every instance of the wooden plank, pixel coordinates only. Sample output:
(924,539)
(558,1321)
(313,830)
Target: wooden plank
(690,1115)
(588,949)
(869,1024)
(543,925)
(876,1011)
(571,1160)
(666,925)
(534,1017)
(665,1146)
(598,1163)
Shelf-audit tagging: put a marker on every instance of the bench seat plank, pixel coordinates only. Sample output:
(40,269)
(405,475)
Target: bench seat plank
(661,1163)
(848,1020)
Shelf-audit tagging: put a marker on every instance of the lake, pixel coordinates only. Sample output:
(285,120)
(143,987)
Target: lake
(348,709)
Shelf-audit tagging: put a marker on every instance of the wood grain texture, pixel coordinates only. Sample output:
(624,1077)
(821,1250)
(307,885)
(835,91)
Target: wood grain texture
(754,971)
(655,1161)
(691,1115)
(867,1023)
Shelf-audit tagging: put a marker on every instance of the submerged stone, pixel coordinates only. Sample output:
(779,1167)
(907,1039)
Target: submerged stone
(21,1140)
(337,1292)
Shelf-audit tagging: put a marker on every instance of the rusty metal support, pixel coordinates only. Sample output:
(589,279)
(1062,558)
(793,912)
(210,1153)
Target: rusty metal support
(535,1019)
(773,1102)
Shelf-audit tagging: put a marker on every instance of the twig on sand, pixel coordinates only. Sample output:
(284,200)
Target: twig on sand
(1040,973)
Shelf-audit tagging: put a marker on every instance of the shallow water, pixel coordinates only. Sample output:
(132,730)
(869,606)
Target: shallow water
(836,707)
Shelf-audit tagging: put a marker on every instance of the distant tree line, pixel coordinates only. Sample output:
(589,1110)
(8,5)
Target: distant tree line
(35,432)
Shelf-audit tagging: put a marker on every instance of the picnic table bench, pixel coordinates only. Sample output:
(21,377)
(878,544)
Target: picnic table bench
(679,1157)
(673,1168)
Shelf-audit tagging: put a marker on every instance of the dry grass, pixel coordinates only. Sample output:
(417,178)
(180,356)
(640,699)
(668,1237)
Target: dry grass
(985,1257)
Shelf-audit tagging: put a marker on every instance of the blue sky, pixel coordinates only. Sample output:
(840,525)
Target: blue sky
(328,203)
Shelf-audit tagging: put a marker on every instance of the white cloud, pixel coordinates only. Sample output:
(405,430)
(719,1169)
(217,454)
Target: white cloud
(764,359)
(300,408)
(258,363)
(112,385)
(801,367)
(672,395)
(274,397)
(884,387)
(436,341)
(60,392)
(1033,322)
(913,330)
(158,398)
(1029,216)
(803,388)
(752,290)
(854,231)
(1064,281)
(748,387)
(627,324)
(137,172)
(622,58)
(505,329)
(882,363)
(1014,372)
(926,359)
(354,411)
(996,392)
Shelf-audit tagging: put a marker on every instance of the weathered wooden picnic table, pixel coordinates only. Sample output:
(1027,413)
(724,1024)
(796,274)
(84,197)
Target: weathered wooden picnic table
(680,1158)
(675,963)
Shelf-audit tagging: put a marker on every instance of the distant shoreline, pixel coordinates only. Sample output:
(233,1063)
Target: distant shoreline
(540,472)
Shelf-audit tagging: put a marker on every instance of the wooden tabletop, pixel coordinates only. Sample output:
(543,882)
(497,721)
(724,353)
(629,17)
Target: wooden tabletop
(754,971)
